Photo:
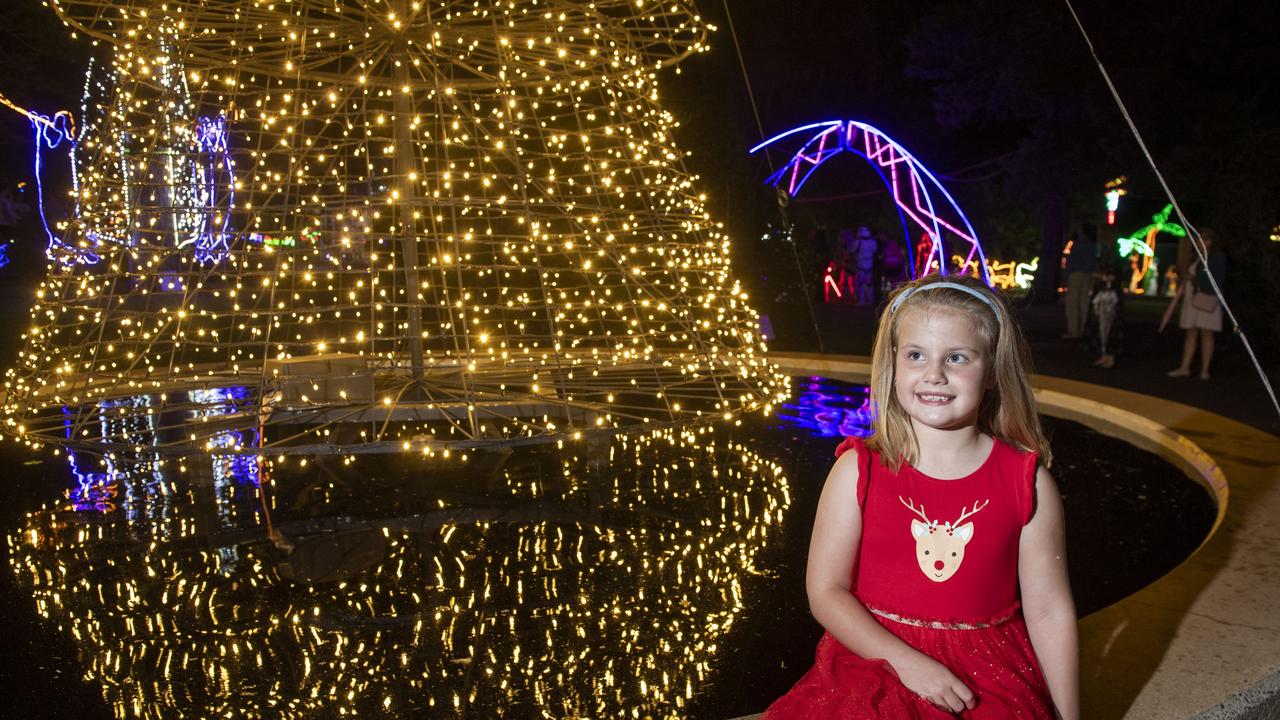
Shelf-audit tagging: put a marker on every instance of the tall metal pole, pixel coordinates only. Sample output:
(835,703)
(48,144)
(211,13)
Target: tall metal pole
(405,166)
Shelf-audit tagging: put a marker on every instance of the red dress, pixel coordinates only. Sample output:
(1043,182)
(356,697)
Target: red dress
(937,567)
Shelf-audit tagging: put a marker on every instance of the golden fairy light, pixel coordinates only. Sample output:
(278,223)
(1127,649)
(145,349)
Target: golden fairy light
(401,225)
(598,582)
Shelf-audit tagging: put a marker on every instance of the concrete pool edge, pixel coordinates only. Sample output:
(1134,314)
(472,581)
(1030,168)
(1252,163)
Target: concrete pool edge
(1207,631)
(1141,431)
(1067,399)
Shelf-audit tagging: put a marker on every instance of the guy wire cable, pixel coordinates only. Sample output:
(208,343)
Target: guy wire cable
(1194,235)
(746,79)
(742,65)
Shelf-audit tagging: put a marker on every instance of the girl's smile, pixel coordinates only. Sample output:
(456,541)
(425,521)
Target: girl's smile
(934,398)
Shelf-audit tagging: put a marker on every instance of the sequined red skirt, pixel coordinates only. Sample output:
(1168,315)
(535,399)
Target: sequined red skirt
(994,660)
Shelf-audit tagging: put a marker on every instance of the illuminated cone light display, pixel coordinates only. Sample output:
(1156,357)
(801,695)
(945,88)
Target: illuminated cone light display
(387,225)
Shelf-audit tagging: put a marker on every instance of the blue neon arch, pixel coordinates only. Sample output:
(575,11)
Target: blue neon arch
(910,184)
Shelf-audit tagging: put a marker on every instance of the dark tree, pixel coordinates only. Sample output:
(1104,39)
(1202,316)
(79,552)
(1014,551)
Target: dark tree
(1198,78)
(1011,72)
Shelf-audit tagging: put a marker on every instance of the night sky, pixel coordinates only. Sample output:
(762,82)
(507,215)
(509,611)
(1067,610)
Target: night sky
(1012,82)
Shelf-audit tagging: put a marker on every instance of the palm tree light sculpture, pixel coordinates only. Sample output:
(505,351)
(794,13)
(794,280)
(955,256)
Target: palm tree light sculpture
(1142,244)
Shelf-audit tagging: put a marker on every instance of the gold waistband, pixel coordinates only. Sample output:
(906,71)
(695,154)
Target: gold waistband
(1000,619)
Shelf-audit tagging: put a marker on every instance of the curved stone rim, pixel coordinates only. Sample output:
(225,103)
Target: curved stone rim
(1105,418)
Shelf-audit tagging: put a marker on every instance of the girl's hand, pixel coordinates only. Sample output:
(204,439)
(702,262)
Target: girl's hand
(932,681)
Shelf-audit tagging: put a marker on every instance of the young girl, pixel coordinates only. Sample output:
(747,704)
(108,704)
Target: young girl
(938,561)
(1106,322)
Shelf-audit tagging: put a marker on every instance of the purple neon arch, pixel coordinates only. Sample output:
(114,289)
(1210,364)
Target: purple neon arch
(908,181)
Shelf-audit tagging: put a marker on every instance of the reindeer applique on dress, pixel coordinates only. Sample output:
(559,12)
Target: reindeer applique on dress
(945,581)
(940,546)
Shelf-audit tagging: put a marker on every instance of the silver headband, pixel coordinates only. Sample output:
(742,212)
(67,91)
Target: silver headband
(897,302)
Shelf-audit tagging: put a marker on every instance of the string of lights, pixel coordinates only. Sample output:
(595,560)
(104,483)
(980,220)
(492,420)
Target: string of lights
(400,225)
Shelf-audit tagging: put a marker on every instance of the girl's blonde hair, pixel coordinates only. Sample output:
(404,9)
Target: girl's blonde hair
(1008,408)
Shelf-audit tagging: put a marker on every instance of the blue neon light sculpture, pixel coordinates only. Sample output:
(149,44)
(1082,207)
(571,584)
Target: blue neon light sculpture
(51,134)
(213,188)
(919,197)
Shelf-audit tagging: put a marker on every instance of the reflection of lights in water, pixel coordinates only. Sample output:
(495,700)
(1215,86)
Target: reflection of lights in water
(829,408)
(594,581)
(132,423)
(216,402)
(229,468)
(118,418)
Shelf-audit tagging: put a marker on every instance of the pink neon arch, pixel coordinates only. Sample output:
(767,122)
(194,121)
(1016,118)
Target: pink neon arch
(910,183)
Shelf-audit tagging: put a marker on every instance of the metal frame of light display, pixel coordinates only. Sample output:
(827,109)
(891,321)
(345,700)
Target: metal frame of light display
(398,225)
(920,199)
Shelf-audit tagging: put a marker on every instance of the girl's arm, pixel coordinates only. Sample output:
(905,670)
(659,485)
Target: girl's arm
(837,530)
(1046,597)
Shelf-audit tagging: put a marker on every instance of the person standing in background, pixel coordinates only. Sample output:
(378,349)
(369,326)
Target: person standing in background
(864,258)
(1201,315)
(1078,270)
(893,266)
(1105,326)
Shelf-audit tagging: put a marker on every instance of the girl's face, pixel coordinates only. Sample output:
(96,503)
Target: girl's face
(941,368)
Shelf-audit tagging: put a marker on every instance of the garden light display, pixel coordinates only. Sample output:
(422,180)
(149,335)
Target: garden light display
(211,235)
(1014,274)
(402,225)
(926,256)
(1003,275)
(1141,245)
(1115,191)
(918,195)
(836,281)
(562,586)
(53,133)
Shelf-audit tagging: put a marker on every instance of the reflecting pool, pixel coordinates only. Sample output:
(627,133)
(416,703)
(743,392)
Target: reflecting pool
(651,575)
(577,582)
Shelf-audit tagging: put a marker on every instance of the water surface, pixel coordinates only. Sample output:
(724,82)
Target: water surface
(654,575)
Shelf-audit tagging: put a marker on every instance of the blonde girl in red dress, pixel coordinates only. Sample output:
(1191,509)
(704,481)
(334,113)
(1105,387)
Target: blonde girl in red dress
(937,563)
